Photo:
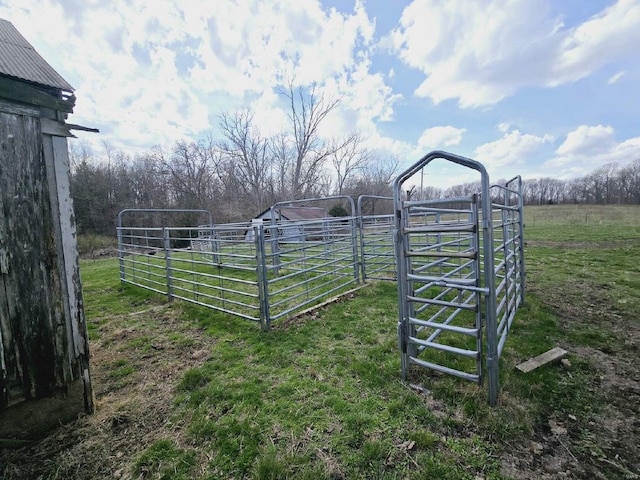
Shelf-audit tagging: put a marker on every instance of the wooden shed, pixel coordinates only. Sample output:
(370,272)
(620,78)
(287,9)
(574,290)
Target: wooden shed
(293,219)
(44,353)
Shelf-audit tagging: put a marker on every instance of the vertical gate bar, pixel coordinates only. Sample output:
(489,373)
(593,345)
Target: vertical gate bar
(262,278)
(215,247)
(410,328)
(354,238)
(475,245)
(361,230)
(521,239)
(520,257)
(490,285)
(275,252)
(167,260)
(400,249)
(507,265)
(354,247)
(120,248)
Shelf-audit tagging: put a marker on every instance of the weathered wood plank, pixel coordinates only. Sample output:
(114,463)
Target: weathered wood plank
(5,333)
(25,93)
(51,127)
(8,107)
(69,267)
(547,357)
(35,320)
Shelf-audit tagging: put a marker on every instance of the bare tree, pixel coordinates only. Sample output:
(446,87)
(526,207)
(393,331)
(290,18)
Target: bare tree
(374,178)
(348,156)
(191,169)
(249,156)
(79,151)
(307,110)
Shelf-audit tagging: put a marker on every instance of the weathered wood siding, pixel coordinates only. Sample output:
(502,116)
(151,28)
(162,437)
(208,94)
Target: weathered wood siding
(36,359)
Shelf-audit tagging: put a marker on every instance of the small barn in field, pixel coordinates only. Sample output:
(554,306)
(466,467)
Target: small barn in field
(44,353)
(293,220)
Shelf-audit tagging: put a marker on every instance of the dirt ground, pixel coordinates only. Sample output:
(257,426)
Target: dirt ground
(131,412)
(602,446)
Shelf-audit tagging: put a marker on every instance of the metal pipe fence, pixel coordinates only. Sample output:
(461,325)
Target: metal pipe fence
(459,264)
(230,269)
(377,254)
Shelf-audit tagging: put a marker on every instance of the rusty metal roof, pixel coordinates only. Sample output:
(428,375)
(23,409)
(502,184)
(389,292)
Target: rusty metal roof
(303,213)
(20,60)
(296,213)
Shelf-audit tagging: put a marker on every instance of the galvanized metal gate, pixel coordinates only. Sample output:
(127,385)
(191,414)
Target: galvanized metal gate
(377,255)
(508,252)
(448,278)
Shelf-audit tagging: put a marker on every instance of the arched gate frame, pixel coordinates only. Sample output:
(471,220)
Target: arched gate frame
(451,269)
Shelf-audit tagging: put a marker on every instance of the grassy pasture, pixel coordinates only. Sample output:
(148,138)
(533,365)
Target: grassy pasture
(184,392)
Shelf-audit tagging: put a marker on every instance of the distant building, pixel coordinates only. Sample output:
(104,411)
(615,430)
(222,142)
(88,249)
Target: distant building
(44,353)
(297,224)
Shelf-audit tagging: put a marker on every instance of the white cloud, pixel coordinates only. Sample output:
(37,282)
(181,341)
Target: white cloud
(514,148)
(613,33)
(588,147)
(268,117)
(616,77)
(151,73)
(441,136)
(504,127)
(587,141)
(482,52)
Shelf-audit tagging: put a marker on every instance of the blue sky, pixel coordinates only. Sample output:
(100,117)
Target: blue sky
(529,87)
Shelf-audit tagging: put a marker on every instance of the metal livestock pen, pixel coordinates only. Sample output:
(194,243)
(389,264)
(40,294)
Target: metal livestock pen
(257,271)
(458,263)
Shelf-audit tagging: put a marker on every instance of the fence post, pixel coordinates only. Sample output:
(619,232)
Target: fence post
(275,247)
(353,223)
(121,254)
(493,361)
(263,280)
(361,238)
(354,245)
(120,248)
(167,260)
(520,259)
(215,247)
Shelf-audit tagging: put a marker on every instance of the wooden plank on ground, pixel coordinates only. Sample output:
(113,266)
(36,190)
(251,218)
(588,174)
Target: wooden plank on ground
(542,359)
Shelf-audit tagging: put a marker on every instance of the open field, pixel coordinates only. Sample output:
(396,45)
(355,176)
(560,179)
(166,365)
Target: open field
(184,392)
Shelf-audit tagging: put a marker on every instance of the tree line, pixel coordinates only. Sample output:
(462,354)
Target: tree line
(236,176)
(243,172)
(609,184)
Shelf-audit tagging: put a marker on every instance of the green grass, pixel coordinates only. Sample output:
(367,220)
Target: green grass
(165,461)
(321,397)
(306,271)
(91,245)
